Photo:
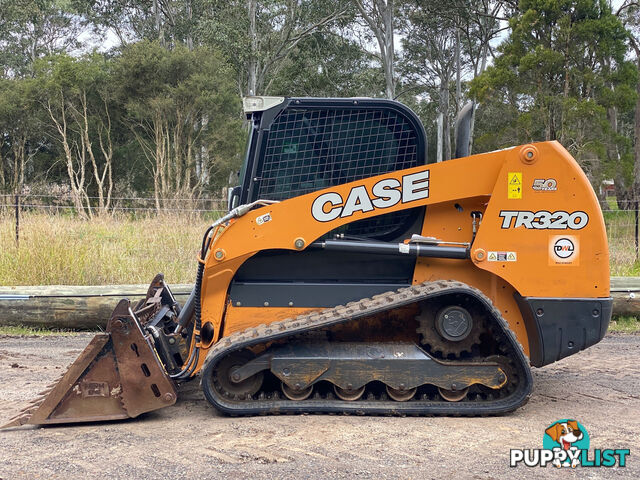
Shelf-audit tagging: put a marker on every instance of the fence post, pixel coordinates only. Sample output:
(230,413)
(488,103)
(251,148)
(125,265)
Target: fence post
(18,220)
(636,225)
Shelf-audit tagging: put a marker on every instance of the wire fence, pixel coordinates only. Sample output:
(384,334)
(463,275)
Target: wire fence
(129,206)
(622,224)
(64,203)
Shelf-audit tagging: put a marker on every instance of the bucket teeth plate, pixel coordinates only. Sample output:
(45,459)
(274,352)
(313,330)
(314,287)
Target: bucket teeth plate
(117,376)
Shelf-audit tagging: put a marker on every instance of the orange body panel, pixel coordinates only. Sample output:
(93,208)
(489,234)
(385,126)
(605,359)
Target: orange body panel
(447,221)
(456,188)
(532,274)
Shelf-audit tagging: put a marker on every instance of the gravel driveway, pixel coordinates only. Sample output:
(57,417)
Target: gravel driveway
(599,387)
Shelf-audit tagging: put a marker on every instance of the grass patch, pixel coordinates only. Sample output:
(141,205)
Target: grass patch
(621,234)
(63,250)
(620,225)
(25,331)
(624,324)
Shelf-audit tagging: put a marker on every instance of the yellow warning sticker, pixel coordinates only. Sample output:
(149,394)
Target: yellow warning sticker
(514,185)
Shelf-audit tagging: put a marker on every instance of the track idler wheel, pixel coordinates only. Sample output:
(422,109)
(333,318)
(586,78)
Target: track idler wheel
(349,394)
(296,394)
(401,395)
(453,395)
(223,377)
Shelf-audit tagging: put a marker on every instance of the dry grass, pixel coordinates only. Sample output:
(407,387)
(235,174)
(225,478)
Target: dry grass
(621,235)
(63,250)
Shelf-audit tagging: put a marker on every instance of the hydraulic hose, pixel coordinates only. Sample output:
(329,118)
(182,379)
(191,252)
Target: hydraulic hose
(195,297)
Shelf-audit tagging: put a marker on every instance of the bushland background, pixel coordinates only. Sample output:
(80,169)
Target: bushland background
(121,122)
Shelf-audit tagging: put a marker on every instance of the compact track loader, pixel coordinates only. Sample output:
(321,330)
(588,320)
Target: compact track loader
(352,276)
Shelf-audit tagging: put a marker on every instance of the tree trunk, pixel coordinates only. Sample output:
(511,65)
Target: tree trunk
(381,24)
(106,146)
(458,74)
(76,177)
(444,109)
(439,138)
(19,143)
(189,10)
(389,74)
(3,182)
(88,146)
(156,14)
(636,148)
(253,56)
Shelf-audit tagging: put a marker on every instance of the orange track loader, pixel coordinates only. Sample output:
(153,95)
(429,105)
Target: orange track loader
(352,276)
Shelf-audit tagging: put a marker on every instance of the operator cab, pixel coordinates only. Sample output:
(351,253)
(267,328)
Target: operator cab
(300,145)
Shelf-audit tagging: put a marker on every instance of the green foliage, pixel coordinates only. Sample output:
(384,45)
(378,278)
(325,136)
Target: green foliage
(328,65)
(624,324)
(189,97)
(562,75)
(164,85)
(259,50)
(30,29)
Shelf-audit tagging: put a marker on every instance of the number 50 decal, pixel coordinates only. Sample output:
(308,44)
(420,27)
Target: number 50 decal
(544,220)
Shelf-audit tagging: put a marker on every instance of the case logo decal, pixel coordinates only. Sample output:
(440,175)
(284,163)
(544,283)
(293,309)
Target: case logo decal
(384,194)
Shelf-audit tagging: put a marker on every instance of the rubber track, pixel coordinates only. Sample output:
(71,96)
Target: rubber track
(352,311)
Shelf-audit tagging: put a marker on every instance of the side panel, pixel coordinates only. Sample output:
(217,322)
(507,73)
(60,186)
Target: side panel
(453,221)
(556,230)
(559,327)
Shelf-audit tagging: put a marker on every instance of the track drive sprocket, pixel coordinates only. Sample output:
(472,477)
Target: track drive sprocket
(438,344)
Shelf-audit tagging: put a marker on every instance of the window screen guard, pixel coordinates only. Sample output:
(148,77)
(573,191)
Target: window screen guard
(311,148)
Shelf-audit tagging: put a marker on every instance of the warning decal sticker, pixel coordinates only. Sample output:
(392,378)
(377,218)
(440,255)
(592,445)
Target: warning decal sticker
(514,185)
(502,256)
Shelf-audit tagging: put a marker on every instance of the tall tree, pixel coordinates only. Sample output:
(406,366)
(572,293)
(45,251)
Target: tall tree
(76,94)
(380,17)
(259,36)
(629,13)
(167,93)
(430,60)
(558,73)
(31,29)
(328,65)
(20,138)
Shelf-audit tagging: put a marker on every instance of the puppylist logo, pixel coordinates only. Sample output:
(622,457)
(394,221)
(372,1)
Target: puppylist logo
(566,444)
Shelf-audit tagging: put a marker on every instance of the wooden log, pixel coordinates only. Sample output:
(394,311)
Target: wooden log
(89,308)
(626,295)
(70,307)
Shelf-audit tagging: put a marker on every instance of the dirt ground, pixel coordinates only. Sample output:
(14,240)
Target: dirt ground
(599,387)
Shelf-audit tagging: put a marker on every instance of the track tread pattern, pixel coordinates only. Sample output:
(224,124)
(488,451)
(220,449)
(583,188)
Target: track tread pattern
(351,311)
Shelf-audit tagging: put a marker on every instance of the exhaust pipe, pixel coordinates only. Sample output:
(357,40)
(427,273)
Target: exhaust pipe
(463,130)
